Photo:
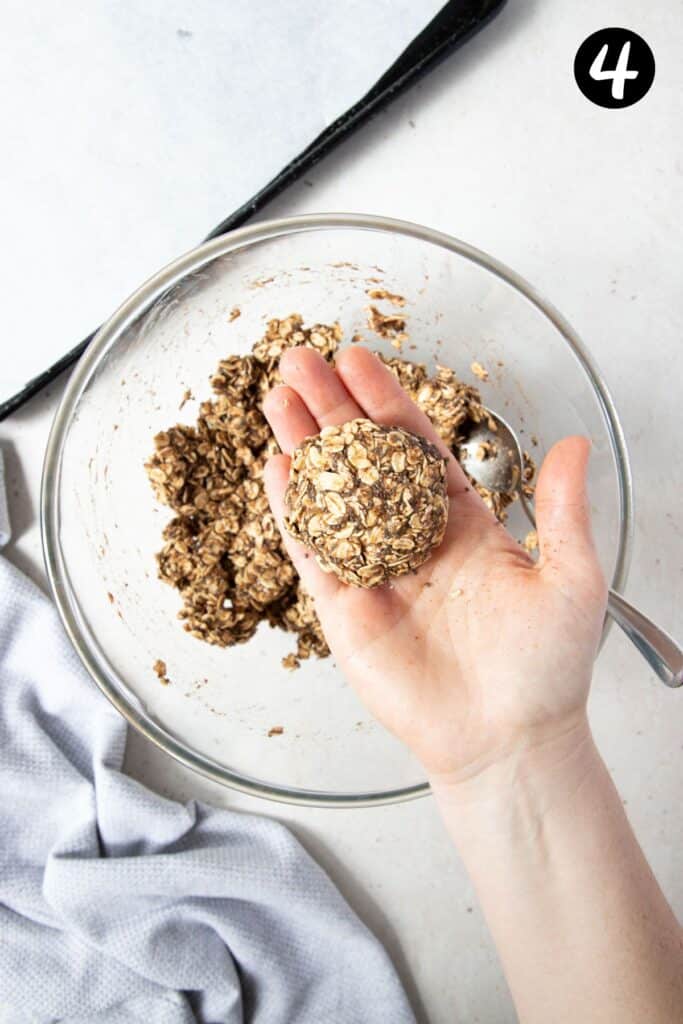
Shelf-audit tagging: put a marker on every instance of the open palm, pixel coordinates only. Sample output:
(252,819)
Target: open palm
(481,649)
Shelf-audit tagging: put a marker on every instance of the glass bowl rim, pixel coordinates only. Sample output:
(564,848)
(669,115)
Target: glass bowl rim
(137,304)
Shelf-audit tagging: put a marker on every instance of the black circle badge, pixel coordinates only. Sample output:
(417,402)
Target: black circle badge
(614,67)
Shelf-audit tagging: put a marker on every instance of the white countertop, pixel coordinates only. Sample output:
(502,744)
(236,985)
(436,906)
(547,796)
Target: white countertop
(500,148)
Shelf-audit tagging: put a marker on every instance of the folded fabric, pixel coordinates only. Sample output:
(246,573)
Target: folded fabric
(118,905)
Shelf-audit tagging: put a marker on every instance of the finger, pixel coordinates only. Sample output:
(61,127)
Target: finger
(319,386)
(289,417)
(383,400)
(320,585)
(562,509)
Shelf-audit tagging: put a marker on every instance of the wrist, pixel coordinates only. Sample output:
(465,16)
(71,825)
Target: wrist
(510,798)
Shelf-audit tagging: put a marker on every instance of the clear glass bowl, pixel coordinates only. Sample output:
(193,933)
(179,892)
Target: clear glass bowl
(102,526)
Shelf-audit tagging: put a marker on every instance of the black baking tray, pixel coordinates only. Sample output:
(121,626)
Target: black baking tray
(455,23)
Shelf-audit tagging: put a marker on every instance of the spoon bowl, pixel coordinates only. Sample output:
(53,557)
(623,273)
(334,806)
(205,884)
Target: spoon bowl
(492,456)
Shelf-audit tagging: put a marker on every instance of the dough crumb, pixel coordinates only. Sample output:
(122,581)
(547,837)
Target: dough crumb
(159,667)
(531,541)
(392,297)
(388,325)
(486,450)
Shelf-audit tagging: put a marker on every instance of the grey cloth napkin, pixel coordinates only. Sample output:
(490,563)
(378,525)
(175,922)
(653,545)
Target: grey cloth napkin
(118,905)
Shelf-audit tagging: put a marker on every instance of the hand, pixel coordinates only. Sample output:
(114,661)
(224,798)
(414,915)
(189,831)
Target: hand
(481,652)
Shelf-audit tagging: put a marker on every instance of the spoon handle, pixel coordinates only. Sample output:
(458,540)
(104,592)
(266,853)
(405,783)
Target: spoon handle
(659,649)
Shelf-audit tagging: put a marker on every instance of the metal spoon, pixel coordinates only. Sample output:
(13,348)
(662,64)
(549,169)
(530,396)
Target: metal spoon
(493,457)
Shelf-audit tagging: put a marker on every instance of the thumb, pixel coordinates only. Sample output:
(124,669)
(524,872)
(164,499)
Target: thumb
(562,509)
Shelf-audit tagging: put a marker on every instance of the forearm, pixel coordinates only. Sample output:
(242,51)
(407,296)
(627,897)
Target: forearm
(582,928)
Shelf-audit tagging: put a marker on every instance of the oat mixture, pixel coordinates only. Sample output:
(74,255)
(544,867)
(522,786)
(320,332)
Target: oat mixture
(479,371)
(369,500)
(222,550)
(388,325)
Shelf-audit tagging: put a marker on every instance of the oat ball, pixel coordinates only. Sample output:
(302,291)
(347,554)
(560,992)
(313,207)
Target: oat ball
(369,500)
